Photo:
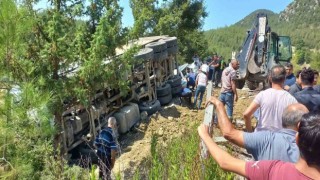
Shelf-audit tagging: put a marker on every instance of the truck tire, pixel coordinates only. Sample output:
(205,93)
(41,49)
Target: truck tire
(252,85)
(176,90)
(174,81)
(144,54)
(150,107)
(165,99)
(157,47)
(170,41)
(160,56)
(173,50)
(164,90)
(240,84)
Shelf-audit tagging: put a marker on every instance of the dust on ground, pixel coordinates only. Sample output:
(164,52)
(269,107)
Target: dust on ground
(170,122)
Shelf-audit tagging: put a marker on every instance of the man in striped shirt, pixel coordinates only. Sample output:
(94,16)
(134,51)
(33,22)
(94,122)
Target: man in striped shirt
(106,149)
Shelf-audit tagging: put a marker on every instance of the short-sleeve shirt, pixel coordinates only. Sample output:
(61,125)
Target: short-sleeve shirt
(272,170)
(290,80)
(269,145)
(205,68)
(228,75)
(202,79)
(217,62)
(272,103)
(105,141)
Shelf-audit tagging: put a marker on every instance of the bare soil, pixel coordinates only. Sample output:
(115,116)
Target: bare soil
(170,122)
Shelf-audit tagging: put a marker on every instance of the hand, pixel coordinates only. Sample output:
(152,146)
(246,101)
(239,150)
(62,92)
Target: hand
(286,87)
(203,131)
(212,100)
(235,98)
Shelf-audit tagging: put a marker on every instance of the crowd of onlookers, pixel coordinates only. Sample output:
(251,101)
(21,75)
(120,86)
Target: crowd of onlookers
(200,72)
(285,144)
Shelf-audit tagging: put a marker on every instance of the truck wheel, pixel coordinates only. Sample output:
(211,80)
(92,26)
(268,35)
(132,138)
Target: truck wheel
(240,84)
(164,90)
(252,85)
(174,81)
(165,99)
(150,107)
(173,50)
(144,54)
(157,47)
(170,41)
(160,56)
(176,90)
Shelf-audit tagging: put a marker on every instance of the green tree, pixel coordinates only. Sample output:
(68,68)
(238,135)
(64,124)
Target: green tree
(38,49)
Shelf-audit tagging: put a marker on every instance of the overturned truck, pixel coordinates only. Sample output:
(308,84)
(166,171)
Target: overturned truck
(152,83)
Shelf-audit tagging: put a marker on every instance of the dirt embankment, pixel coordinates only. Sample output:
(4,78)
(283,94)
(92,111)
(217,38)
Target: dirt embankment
(170,122)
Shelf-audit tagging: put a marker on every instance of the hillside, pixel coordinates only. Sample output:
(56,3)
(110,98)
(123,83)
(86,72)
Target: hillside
(300,20)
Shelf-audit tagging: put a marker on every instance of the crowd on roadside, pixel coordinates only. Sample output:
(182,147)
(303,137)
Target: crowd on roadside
(202,71)
(285,144)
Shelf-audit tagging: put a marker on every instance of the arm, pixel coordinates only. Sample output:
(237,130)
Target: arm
(229,132)
(225,160)
(248,114)
(234,89)
(286,87)
(197,78)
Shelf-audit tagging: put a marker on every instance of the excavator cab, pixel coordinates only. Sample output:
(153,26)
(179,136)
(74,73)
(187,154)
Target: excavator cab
(261,50)
(284,49)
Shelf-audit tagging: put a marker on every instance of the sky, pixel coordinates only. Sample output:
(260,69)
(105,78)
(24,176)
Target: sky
(222,13)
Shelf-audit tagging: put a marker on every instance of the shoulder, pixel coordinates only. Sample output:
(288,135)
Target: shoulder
(266,169)
(107,132)
(258,137)
(317,88)
(255,136)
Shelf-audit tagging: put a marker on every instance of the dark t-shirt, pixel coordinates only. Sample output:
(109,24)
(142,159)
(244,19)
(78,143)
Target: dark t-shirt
(295,88)
(217,62)
(290,80)
(309,97)
(317,88)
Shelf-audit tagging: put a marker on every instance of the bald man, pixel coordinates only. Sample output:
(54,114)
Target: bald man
(265,145)
(228,92)
(270,102)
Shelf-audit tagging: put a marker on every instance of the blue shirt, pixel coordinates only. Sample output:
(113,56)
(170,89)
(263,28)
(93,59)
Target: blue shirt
(105,141)
(295,88)
(290,80)
(191,78)
(271,145)
(317,88)
(309,97)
